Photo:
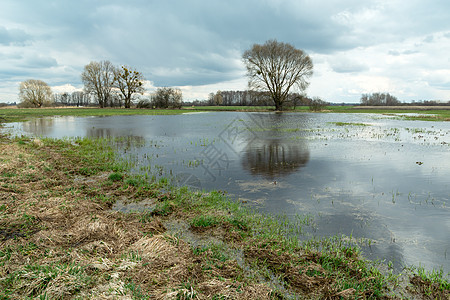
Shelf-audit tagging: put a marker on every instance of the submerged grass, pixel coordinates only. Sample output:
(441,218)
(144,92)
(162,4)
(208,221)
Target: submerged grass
(59,239)
(348,124)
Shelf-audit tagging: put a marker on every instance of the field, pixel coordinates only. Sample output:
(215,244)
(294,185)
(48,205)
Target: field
(60,239)
(426,113)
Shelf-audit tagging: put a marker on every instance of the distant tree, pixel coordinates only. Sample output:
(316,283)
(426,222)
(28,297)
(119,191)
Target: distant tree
(211,99)
(296,99)
(168,97)
(277,67)
(35,93)
(80,98)
(377,99)
(317,104)
(98,79)
(65,98)
(144,103)
(218,99)
(115,100)
(129,82)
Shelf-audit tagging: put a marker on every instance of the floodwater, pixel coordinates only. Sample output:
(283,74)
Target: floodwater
(362,175)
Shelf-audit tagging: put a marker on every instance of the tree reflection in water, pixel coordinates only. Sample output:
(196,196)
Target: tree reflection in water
(273,158)
(39,126)
(121,140)
(274,153)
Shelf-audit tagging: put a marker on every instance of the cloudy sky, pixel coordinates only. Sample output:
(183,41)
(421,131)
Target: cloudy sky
(396,46)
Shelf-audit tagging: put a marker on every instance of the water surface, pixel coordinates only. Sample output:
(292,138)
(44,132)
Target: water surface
(364,175)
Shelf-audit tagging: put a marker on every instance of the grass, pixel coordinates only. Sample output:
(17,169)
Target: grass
(59,239)
(348,124)
(115,177)
(17,115)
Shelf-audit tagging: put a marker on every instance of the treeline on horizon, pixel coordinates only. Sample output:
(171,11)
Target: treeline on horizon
(247,98)
(237,98)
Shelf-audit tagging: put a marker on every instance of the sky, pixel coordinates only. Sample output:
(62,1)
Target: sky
(401,47)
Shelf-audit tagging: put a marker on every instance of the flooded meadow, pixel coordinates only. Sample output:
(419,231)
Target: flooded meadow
(379,180)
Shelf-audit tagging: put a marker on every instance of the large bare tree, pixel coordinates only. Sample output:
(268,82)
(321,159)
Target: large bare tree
(35,93)
(98,78)
(129,82)
(277,68)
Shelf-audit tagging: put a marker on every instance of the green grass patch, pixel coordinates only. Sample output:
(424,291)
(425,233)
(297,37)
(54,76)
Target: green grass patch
(17,114)
(115,177)
(163,209)
(205,221)
(432,282)
(348,124)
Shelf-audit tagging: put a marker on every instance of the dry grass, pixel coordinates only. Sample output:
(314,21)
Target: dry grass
(59,239)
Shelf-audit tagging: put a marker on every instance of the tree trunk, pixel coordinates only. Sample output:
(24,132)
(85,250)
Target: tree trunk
(278,104)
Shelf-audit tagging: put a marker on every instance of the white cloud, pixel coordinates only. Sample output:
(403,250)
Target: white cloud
(201,92)
(345,64)
(65,88)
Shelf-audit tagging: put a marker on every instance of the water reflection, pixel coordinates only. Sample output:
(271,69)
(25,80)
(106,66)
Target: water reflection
(275,152)
(39,127)
(100,132)
(274,157)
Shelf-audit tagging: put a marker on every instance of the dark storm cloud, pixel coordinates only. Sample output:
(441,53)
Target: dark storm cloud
(198,42)
(202,42)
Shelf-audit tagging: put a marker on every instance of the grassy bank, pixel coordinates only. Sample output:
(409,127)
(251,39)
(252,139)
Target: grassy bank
(16,115)
(60,239)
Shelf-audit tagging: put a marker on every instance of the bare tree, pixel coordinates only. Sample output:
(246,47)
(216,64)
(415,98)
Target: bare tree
(211,99)
(35,93)
(277,67)
(218,99)
(317,104)
(98,78)
(168,97)
(129,82)
(80,98)
(296,99)
(379,99)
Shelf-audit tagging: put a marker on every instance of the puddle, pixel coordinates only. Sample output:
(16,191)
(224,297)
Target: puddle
(141,206)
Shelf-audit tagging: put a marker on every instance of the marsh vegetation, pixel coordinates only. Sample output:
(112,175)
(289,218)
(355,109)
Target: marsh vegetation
(102,216)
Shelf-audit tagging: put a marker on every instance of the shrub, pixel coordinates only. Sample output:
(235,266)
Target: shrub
(317,104)
(144,104)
